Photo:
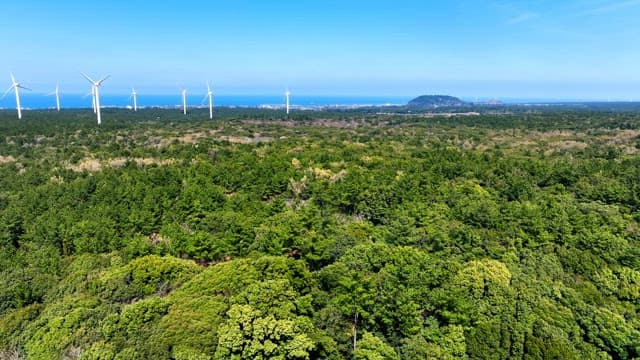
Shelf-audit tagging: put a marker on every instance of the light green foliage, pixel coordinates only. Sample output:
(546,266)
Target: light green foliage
(373,348)
(483,278)
(99,351)
(629,287)
(186,353)
(247,334)
(446,343)
(191,324)
(480,290)
(60,328)
(135,325)
(611,333)
(144,276)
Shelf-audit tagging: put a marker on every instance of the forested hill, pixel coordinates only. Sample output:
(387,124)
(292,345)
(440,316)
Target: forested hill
(323,236)
(432,101)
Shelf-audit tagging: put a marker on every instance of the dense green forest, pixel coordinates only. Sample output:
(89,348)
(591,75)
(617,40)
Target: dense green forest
(513,234)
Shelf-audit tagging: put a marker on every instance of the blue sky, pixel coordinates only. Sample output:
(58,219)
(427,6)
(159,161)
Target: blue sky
(534,49)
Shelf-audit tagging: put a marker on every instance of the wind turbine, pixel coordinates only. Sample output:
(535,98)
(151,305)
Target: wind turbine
(15,86)
(95,85)
(184,101)
(57,94)
(286,95)
(210,96)
(134,96)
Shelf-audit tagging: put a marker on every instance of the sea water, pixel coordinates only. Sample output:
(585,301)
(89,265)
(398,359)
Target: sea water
(41,101)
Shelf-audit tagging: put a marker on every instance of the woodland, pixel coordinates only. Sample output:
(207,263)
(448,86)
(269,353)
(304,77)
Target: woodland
(506,233)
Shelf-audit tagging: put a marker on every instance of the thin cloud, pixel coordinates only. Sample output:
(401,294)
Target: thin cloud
(618,5)
(522,18)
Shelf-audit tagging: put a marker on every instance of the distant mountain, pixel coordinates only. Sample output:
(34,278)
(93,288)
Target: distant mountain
(433,101)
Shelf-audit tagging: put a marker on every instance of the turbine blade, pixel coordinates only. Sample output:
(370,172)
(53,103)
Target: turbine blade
(204,99)
(6,92)
(87,77)
(103,79)
(13,79)
(23,87)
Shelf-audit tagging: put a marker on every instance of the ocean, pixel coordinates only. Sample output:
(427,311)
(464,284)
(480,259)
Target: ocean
(70,101)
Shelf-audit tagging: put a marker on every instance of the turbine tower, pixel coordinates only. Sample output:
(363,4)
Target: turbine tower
(210,96)
(134,96)
(16,86)
(93,99)
(95,85)
(57,95)
(184,101)
(286,95)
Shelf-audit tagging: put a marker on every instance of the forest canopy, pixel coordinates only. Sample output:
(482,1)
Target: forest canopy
(512,234)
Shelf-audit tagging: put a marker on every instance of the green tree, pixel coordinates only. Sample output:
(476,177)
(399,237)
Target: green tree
(247,334)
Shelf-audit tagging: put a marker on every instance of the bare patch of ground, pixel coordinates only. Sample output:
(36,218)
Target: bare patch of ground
(245,139)
(92,164)
(569,145)
(87,164)
(156,140)
(6,159)
(120,162)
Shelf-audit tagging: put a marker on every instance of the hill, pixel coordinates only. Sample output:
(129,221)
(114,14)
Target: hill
(433,101)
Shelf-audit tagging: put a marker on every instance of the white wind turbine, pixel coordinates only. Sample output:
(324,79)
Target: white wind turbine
(287,94)
(134,96)
(15,86)
(184,101)
(95,85)
(210,96)
(57,94)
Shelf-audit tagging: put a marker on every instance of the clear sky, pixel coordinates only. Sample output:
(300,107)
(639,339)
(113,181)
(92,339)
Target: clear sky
(537,49)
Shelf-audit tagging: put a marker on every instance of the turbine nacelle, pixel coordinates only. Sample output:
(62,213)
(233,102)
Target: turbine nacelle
(95,82)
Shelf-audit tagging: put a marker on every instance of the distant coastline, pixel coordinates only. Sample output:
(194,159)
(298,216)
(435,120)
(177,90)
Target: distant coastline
(32,101)
(169,101)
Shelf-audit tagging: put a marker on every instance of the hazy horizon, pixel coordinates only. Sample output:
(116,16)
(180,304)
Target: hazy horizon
(82,101)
